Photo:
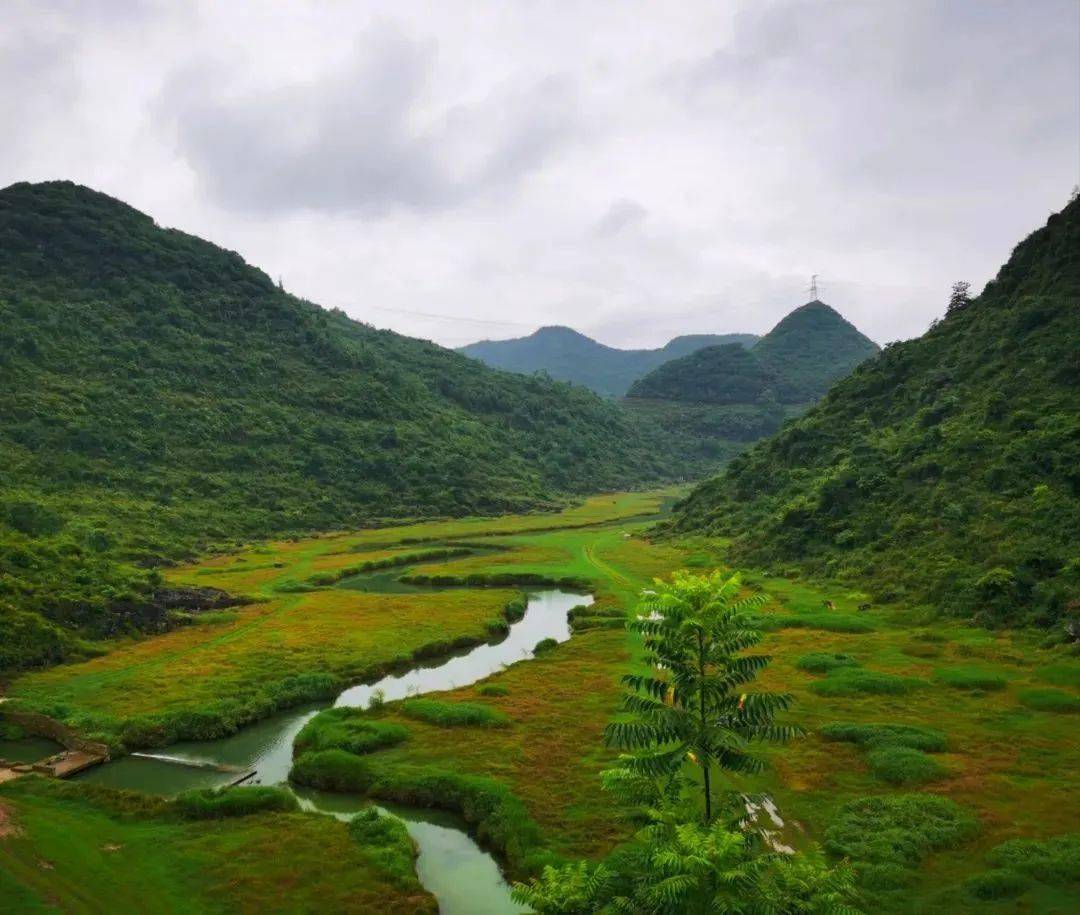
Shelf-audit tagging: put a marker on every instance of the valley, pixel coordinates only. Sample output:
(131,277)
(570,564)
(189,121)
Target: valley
(984,692)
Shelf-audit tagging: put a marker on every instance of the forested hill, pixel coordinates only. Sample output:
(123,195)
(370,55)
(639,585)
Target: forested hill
(158,394)
(716,375)
(947,469)
(811,348)
(565,354)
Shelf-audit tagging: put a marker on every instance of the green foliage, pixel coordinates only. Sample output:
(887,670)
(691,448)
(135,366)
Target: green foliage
(852,681)
(899,765)
(545,645)
(997,884)
(31,641)
(945,470)
(454,714)
(821,662)
(715,375)
(348,728)
(1055,860)
(497,817)
(1063,674)
(690,707)
(828,621)
(565,354)
(1050,700)
(493,689)
(969,678)
(218,804)
(387,844)
(887,837)
(896,735)
(160,398)
(677,866)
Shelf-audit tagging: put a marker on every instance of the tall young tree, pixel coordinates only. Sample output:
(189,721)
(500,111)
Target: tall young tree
(691,707)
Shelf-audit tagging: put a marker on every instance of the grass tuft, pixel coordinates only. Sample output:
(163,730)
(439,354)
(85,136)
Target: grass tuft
(454,714)
(821,662)
(219,804)
(1050,700)
(970,678)
(347,728)
(997,884)
(904,766)
(928,740)
(851,681)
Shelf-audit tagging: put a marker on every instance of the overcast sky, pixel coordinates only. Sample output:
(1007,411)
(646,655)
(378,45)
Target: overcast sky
(637,170)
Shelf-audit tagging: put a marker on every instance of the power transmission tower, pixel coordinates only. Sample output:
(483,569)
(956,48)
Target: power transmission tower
(813,288)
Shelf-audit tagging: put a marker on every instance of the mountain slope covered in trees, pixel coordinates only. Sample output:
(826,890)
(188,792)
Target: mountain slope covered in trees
(565,354)
(158,395)
(947,469)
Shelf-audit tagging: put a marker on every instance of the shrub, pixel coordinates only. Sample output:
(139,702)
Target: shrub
(454,714)
(333,770)
(904,765)
(1060,674)
(347,728)
(218,804)
(10,731)
(386,843)
(545,645)
(969,678)
(897,831)
(1055,860)
(493,689)
(829,622)
(1050,700)
(850,681)
(496,815)
(898,735)
(997,884)
(821,662)
(514,610)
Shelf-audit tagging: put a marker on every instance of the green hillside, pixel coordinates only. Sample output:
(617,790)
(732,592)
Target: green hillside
(716,374)
(159,396)
(810,349)
(565,354)
(947,469)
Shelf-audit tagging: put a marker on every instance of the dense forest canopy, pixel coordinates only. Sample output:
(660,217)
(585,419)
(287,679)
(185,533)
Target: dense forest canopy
(716,374)
(947,469)
(158,395)
(565,354)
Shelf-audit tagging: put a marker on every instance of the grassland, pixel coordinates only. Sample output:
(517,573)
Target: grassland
(71,848)
(1004,704)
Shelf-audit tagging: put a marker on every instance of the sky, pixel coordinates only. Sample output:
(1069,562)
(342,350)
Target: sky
(636,170)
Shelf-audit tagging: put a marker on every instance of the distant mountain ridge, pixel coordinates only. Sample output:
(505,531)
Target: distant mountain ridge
(794,363)
(568,355)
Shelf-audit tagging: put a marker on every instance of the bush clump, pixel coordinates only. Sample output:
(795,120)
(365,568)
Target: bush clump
(496,815)
(826,621)
(997,884)
(1054,861)
(928,740)
(821,662)
(970,678)
(1050,700)
(850,681)
(493,689)
(454,714)
(347,728)
(218,804)
(904,766)
(545,645)
(887,837)
(386,843)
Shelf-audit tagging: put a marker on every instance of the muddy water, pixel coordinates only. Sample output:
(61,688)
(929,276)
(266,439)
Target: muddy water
(464,878)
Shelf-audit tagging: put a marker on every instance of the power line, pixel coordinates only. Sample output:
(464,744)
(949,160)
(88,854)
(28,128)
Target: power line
(459,318)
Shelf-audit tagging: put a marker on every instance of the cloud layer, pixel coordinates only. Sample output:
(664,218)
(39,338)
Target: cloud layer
(475,169)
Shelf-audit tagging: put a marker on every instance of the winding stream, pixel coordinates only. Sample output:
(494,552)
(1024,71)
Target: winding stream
(463,877)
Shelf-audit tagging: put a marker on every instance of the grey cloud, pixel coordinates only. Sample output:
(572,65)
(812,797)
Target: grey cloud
(361,141)
(620,215)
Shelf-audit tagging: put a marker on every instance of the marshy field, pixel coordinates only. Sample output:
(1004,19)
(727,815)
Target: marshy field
(939,758)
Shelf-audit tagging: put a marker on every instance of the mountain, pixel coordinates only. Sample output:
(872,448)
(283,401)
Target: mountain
(810,349)
(158,396)
(565,354)
(727,374)
(946,470)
